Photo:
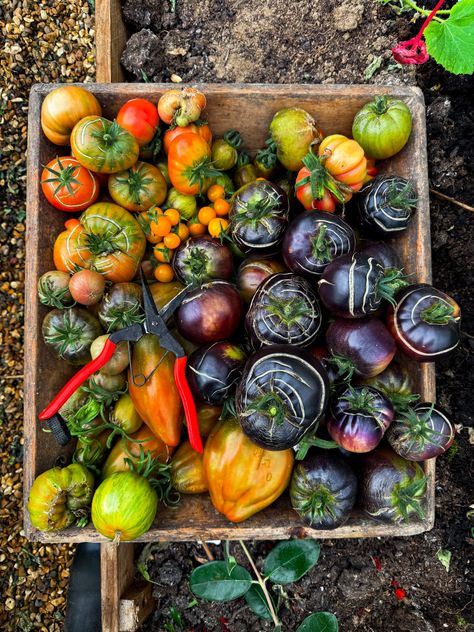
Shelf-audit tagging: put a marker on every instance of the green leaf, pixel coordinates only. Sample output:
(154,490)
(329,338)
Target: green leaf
(213,582)
(319,622)
(444,556)
(372,68)
(451,42)
(257,602)
(289,561)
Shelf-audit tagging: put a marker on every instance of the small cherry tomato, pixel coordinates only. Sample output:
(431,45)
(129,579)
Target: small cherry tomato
(206,214)
(164,273)
(163,225)
(148,221)
(181,230)
(173,215)
(221,207)
(217,227)
(215,192)
(171,241)
(162,252)
(140,118)
(196,228)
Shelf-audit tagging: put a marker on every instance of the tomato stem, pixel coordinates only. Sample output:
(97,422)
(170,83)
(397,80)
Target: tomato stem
(439,313)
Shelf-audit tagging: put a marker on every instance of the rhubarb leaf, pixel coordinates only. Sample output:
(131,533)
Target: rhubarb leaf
(451,41)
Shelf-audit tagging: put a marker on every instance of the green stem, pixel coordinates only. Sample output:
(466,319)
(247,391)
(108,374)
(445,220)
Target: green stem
(263,586)
(439,313)
(421,11)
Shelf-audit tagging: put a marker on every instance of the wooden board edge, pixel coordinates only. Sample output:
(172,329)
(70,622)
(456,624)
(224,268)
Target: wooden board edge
(117,568)
(110,41)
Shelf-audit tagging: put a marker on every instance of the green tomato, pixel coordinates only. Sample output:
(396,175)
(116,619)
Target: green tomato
(225,181)
(139,187)
(185,204)
(224,156)
(294,131)
(382,127)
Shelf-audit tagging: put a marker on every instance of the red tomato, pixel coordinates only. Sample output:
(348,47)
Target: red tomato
(140,118)
(316,188)
(68,185)
(203,130)
(190,164)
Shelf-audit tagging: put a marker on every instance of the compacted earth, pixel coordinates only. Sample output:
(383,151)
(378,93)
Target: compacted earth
(373,585)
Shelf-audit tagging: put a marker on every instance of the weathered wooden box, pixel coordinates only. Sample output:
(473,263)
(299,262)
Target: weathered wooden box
(248,108)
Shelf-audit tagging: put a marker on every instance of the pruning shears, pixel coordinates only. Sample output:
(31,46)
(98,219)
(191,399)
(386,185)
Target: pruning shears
(154,323)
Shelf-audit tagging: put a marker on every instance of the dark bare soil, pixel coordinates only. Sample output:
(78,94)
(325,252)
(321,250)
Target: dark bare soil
(327,42)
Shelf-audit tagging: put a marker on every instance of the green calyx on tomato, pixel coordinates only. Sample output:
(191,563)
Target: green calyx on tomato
(407,497)
(62,177)
(200,172)
(438,313)
(404,198)
(320,180)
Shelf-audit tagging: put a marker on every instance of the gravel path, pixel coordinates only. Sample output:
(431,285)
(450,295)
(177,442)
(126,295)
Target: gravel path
(41,42)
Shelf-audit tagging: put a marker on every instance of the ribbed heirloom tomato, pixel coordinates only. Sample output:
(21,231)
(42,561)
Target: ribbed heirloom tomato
(62,108)
(344,159)
(189,164)
(68,185)
(140,118)
(106,238)
(202,129)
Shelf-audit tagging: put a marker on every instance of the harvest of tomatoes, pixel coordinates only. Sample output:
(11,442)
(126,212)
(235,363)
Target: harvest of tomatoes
(290,317)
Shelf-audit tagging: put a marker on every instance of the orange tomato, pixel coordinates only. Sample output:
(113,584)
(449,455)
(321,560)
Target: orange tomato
(344,159)
(171,241)
(196,228)
(189,164)
(62,108)
(162,252)
(164,273)
(163,225)
(216,192)
(204,131)
(206,214)
(173,215)
(217,227)
(182,231)
(221,207)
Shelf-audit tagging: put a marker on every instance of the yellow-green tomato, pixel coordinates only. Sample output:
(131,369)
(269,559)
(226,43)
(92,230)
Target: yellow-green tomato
(294,131)
(124,415)
(185,204)
(187,470)
(124,506)
(61,497)
(138,188)
(119,360)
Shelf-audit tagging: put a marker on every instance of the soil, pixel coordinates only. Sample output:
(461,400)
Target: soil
(299,41)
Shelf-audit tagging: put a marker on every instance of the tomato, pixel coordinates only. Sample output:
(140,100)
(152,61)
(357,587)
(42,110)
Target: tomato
(106,238)
(87,287)
(382,127)
(190,165)
(91,451)
(344,159)
(208,417)
(164,273)
(187,470)
(68,185)
(224,150)
(119,360)
(125,416)
(141,446)
(103,146)
(140,118)
(70,333)
(151,151)
(53,289)
(62,108)
(243,478)
(153,390)
(181,107)
(185,204)
(294,131)
(245,172)
(121,306)
(201,128)
(316,188)
(124,506)
(61,497)
(138,188)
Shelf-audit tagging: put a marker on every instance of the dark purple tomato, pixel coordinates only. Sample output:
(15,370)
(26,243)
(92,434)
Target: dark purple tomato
(385,205)
(383,252)
(353,286)
(258,217)
(281,396)
(313,240)
(358,418)
(395,383)
(425,322)
(70,333)
(323,490)
(252,272)
(364,347)
(121,306)
(202,259)
(213,371)
(284,310)
(391,489)
(422,432)
(323,355)
(210,313)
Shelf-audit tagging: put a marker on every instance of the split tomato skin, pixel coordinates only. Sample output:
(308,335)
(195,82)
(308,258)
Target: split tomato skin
(140,118)
(189,164)
(323,490)
(359,418)
(181,107)
(62,108)
(425,322)
(384,253)
(69,186)
(422,432)
(243,478)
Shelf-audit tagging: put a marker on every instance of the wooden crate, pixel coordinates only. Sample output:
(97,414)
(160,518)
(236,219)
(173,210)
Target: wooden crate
(110,39)
(248,108)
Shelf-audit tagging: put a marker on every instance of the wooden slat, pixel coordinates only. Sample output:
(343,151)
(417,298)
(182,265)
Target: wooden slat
(110,40)
(248,108)
(117,570)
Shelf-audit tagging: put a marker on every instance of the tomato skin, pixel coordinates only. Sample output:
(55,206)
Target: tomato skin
(181,106)
(103,146)
(157,401)
(59,497)
(140,118)
(382,127)
(68,185)
(187,471)
(62,108)
(75,249)
(204,131)
(189,158)
(138,188)
(344,159)
(243,478)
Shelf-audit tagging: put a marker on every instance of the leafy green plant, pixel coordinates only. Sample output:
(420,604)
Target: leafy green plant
(448,39)
(286,563)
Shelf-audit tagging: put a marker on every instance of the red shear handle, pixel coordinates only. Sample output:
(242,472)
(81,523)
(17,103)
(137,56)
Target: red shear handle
(81,376)
(188,403)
